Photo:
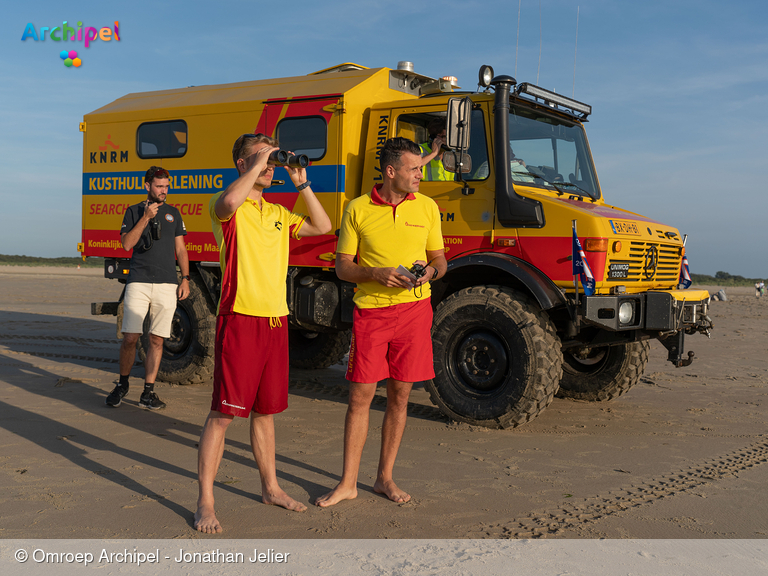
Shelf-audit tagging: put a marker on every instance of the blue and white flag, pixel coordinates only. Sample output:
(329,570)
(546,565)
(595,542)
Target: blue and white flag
(581,267)
(685,274)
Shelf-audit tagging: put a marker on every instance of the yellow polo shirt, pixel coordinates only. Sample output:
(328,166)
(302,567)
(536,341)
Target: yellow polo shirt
(253,253)
(384,236)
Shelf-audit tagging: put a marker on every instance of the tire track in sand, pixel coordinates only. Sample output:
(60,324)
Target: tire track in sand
(552,522)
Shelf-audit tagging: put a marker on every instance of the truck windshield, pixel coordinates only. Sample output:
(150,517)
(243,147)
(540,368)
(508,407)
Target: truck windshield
(550,152)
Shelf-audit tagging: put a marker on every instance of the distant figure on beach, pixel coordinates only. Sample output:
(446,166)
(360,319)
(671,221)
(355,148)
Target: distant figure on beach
(391,226)
(758,292)
(155,232)
(250,375)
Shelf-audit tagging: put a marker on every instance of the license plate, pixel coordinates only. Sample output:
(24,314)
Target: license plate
(621,227)
(618,270)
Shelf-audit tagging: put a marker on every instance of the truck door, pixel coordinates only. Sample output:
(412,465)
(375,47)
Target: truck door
(311,126)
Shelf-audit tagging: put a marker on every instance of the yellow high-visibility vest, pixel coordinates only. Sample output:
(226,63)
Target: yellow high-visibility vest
(434,170)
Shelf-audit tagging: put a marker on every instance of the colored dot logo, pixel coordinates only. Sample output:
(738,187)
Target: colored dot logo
(70,58)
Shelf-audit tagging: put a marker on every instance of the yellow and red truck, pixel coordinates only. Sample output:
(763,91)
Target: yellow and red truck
(511,328)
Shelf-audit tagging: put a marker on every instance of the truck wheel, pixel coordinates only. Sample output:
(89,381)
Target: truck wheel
(497,358)
(313,350)
(188,353)
(606,373)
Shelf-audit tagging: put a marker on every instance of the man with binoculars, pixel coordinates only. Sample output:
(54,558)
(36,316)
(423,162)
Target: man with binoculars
(155,232)
(251,355)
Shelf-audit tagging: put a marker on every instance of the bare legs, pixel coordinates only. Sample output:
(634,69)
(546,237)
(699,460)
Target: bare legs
(209,457)
(128,352)
(391,436)
(263,446)
(128,355)
(355,434)
(154,355)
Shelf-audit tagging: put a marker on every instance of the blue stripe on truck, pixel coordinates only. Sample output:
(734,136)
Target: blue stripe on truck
(324,179)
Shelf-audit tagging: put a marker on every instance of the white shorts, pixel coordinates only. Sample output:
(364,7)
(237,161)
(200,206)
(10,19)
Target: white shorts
(158,299)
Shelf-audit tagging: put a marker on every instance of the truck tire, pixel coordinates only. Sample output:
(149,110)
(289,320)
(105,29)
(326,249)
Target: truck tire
(497,358)
(315,350)
(605,374)
(188,353)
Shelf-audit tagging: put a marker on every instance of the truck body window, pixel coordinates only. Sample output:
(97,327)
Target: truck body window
(162,139)
(308,135)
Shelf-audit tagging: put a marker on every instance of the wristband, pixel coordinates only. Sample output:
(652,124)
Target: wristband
(301,187)
(435,274)
(185,277)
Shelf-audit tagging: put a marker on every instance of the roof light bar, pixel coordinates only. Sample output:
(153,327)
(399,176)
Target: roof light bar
(552,98)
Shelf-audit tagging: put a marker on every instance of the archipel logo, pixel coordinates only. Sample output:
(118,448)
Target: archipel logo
(70,58)
(65,33)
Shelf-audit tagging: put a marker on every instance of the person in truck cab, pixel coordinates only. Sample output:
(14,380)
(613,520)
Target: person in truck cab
(432,155)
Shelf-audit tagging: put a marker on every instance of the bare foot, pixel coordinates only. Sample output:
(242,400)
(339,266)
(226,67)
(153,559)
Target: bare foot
(336,495)
(391,491)
(280,498)
(205,520)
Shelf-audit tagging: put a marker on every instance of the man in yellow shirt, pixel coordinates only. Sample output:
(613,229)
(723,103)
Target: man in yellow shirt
(251,353)
(391,226)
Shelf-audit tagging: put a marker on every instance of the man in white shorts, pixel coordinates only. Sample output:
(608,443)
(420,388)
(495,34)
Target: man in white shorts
(155,232)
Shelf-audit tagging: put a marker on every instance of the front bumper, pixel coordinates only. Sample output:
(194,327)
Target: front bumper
(666,311)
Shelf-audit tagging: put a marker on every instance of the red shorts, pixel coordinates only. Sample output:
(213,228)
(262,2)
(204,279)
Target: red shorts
(251,366)
(393,342)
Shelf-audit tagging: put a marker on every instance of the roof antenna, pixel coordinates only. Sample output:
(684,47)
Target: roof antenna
(517,44)
(575,50)
(538,70)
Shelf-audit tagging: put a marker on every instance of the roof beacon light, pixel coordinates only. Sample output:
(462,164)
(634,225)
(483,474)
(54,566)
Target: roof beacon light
(552,98)
(485,76)
(452,79)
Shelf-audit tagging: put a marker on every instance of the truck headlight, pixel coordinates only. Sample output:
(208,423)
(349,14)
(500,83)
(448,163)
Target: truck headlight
(626,311)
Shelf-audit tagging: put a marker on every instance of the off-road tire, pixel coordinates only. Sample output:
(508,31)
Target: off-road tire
(315,350)
(188,353)
(608,373)
(514,370)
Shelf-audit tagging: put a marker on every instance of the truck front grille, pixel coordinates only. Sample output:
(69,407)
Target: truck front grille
(648,262)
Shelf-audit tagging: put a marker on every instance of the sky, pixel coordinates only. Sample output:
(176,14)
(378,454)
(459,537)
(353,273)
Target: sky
(679,90)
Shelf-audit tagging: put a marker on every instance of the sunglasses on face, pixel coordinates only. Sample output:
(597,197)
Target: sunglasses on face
(159,173)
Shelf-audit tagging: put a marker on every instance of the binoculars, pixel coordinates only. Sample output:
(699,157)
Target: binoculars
(283,158)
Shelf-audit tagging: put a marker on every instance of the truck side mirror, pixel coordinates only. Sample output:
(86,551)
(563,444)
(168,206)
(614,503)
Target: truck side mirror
(457,123)
(457,162)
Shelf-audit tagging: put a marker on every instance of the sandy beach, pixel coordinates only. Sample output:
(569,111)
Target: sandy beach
(682,455)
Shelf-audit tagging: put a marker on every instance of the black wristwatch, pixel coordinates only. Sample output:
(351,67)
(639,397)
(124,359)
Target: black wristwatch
(435,274)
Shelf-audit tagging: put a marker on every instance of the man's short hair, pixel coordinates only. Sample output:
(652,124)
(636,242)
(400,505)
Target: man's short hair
(245,143)
(155,172)
(435,127)
(393,149)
